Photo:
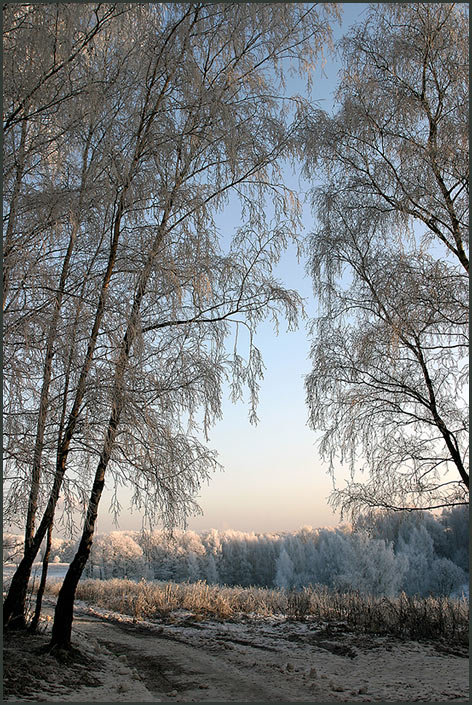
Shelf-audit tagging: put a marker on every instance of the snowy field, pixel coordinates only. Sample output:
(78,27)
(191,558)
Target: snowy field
(187,659)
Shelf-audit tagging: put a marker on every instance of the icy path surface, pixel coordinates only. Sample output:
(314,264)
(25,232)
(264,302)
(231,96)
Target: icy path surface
(253,661)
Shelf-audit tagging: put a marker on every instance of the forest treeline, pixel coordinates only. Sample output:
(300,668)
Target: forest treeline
(419,554)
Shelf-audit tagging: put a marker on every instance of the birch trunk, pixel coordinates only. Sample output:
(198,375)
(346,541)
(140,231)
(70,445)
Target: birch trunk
(63,615)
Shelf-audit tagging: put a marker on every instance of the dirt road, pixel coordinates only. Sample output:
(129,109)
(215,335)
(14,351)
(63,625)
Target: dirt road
(252,661)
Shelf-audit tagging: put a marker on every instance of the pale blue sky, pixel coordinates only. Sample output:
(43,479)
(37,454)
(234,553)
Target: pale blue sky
(273,479)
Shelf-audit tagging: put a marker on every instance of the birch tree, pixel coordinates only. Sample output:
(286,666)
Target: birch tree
(203,174)
(390,262)
(53,153)
(196,117)
(45,48)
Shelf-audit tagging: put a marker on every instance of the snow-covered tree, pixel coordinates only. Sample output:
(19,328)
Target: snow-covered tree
(446,577)
(193,568)
(155,144)
(417,546)
(12,547)
(284,575)
(374,568)
(210,570)
(207,123)
(118,555)
(455,523)
(390,261)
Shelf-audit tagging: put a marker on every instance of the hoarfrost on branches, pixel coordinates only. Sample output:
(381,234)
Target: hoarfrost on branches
(389,260)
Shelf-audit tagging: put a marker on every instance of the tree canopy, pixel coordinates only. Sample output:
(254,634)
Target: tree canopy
(127,130)
(389,259)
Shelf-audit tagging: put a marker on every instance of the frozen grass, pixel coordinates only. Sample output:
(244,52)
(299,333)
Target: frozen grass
(404,616)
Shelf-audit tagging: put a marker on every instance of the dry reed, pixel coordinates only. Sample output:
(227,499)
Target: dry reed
(404,616)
